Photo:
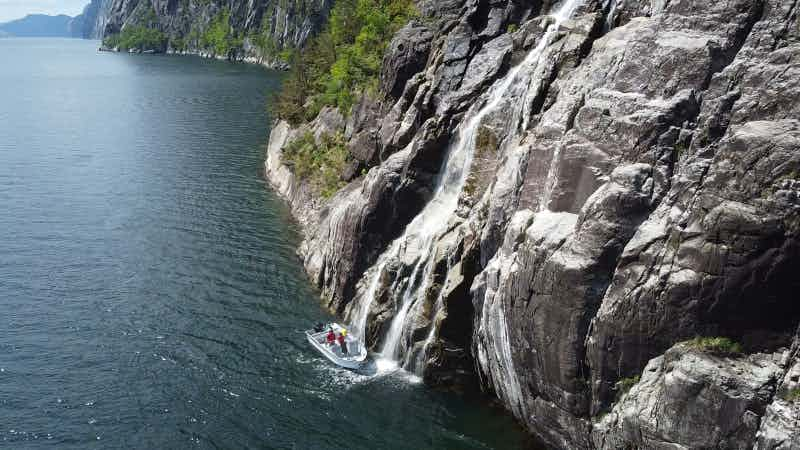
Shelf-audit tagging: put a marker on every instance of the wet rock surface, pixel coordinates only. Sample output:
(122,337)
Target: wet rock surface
(639,188)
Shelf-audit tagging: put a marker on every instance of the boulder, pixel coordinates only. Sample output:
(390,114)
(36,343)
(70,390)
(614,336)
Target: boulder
(692,399)
(780,425)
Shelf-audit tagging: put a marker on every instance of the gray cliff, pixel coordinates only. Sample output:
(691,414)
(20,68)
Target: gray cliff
(92,21)
(637,184)
(282,24)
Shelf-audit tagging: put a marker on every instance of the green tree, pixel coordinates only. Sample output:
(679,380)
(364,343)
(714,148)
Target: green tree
(220,37)
(344,60)
(137,37)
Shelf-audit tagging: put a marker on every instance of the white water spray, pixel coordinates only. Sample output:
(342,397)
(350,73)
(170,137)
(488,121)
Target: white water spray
(432,332)
(611,7)
(419,237)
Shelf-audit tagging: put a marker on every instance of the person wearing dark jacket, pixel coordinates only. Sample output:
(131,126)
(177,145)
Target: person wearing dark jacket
(343,344)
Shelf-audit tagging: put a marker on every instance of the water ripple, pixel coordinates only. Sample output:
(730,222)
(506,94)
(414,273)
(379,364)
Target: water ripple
(151,292)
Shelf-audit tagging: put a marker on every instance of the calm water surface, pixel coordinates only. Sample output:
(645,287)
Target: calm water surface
(150,296)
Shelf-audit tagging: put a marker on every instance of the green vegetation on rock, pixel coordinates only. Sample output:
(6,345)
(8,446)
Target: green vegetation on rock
(792,395)
(142,34)
(220,37)
(321,164)
(266,44)
(624,385)
(717,345)
(344,60)
(486,146)
(137,37)
(178,44)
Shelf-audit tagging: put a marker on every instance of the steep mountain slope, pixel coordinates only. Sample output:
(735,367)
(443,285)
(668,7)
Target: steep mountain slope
(92,21)
(553,201)
(258,30)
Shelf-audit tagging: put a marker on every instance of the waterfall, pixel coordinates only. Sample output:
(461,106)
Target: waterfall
(506,383)
(611,7)
(550,180)
(432,332)
(420,236)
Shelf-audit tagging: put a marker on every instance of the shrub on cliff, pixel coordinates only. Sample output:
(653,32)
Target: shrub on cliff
(792,395)
(141,34)
(220,37)
(716,345)
(344,60)
(138,38)
(624,385)
(264,41)
(321,164)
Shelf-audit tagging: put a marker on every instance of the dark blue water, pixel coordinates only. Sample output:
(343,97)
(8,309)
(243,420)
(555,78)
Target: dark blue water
(150,296)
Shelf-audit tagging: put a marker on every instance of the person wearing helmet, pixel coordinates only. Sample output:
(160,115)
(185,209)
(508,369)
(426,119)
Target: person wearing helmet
(343,342)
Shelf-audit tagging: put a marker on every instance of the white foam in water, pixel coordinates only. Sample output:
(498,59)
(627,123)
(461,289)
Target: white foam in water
(420,235)
(386,365)
(391,367)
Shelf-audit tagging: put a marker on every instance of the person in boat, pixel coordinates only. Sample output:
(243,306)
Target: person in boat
(331,337)
(343,342)
(319,327)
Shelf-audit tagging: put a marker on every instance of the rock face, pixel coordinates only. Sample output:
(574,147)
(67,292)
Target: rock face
(91,23)
(636,184)
(691,399)
(305,203)
(780,425)
(283,24)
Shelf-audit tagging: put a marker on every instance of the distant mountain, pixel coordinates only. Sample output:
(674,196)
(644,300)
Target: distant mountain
(39,25)
(88,25)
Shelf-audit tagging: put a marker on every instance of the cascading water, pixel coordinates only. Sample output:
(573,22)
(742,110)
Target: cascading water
(507,386)
(432,332)
(550,180)
(611,7)
(494,348)
(420,236)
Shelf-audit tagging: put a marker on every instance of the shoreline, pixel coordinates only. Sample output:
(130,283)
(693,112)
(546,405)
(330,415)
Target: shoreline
(246,59)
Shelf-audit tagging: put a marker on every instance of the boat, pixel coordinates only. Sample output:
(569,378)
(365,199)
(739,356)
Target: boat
(356,353)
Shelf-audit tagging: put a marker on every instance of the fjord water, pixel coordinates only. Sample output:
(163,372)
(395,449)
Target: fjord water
(150,296)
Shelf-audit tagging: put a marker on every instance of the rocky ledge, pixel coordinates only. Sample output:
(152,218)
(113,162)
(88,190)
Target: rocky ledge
(689,398)
(626,177)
